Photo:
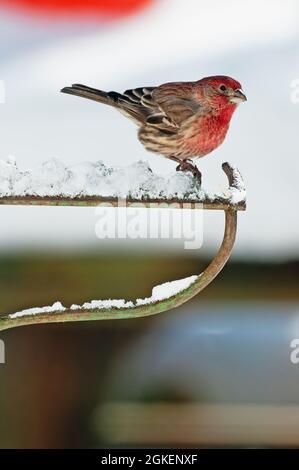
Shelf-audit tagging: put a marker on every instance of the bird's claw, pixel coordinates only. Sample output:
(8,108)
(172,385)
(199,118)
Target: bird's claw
(186,166)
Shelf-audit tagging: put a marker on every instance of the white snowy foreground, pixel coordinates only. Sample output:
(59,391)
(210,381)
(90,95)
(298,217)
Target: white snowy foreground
(136,181)
(160,292)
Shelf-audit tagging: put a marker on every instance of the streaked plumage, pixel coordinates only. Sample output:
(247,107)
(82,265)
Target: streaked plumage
(179,120)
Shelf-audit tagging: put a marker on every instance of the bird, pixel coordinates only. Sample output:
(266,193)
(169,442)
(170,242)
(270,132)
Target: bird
(179,120)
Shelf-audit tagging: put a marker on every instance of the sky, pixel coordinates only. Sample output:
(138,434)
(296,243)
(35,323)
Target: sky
(171,40)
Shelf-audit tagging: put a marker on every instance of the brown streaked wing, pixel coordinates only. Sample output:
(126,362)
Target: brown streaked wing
(137,95)
(177,101)
(137,103)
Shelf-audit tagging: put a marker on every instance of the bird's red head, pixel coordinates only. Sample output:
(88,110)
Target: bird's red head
(220,92)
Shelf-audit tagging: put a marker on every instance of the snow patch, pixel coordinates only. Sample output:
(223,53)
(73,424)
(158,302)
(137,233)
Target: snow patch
(237,192)
(56,307)
(136,181)
(167,290)
(160,292)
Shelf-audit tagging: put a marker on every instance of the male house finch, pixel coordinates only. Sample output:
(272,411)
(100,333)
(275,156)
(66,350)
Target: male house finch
(179,120)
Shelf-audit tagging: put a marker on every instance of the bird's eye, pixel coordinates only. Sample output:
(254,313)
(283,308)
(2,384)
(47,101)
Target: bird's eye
(222,88)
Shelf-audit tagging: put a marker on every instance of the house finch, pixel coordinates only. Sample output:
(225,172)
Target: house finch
(180,120)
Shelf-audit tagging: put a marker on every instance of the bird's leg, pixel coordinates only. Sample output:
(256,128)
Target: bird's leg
(186,165)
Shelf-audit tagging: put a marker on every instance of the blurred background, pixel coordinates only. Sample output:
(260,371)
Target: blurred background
(217,371)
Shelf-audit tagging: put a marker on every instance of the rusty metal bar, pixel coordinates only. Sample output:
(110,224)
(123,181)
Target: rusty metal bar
(91,201)
(216,203)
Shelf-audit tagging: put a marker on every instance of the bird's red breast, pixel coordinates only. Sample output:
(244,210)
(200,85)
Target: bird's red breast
(208,131)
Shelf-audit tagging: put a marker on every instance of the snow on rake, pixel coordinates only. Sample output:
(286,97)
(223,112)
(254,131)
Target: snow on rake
(92,184)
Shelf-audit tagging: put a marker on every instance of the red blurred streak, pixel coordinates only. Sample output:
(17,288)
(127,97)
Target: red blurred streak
(99,8)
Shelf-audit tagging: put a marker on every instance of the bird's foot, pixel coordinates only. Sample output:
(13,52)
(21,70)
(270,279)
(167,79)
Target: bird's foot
(187,166)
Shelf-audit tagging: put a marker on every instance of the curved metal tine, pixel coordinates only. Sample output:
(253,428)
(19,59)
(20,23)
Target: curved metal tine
(202,281)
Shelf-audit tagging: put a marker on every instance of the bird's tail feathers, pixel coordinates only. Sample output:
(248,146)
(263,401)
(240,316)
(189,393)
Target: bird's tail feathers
(109,98)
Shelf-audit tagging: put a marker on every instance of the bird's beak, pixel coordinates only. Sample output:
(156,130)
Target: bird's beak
(237,97)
